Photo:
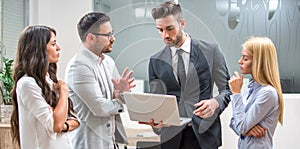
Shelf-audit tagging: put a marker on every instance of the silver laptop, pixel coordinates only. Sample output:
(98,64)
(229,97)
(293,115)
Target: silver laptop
(144,106)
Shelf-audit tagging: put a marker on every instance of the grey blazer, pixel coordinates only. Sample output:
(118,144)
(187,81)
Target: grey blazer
(207,66)
(98,112)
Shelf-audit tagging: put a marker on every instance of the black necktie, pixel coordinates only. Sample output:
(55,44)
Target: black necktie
(180,69)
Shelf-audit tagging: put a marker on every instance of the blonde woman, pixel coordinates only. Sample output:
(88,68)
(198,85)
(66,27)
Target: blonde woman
(258,108)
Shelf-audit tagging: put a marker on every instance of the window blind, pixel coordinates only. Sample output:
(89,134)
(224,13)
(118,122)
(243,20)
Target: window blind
(12,21)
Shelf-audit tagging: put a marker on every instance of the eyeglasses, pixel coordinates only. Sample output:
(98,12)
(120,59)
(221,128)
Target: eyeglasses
(108,35)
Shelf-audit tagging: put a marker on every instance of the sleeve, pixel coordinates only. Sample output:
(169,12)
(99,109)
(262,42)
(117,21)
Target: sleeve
(232,125)
(82,80)
(243,121)
(221,77)
(73,116)
(155,86)
(31,97)
(152,78)
(151,73)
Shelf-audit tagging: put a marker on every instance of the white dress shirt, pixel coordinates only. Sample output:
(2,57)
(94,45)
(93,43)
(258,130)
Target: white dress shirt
(36,118)
(186,47)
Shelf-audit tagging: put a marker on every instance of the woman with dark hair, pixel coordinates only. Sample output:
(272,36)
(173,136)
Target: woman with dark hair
(42,113)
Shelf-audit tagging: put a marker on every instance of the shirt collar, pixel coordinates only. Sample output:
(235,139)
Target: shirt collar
(253,85)
(92,55)
(186,46)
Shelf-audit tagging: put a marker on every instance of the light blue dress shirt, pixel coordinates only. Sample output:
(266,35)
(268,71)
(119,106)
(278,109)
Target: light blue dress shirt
(261,107)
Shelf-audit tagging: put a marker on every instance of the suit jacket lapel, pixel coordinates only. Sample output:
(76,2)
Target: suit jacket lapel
(199,64)
(194,58)
(168,59)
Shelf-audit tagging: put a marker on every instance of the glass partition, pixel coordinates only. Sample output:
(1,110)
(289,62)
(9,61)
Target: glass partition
(226,22)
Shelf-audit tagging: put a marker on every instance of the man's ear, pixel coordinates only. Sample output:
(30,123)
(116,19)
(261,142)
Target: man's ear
(89,37)
(182,23)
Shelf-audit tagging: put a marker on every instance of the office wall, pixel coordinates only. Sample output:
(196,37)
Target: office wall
(233,21)
(1,53)
(63,16)
(227,23)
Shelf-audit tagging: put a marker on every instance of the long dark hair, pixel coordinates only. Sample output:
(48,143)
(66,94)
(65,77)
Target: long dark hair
(32,59)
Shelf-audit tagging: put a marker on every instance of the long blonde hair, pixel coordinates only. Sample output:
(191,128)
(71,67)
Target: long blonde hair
(265,65)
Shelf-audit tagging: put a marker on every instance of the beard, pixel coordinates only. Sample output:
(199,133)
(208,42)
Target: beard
(177,40)
(106,49)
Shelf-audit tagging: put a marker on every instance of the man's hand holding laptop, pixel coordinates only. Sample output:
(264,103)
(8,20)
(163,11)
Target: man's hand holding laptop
(155,125)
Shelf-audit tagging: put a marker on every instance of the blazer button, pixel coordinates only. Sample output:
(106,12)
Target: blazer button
(107,125)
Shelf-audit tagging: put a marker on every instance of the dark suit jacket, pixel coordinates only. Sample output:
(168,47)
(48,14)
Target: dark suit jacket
(207,66)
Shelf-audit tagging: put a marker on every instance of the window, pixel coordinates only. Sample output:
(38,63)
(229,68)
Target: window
(14,17)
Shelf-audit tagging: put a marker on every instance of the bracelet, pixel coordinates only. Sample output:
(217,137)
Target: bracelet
(66,130)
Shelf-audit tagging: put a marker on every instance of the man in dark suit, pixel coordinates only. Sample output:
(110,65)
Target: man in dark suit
(202,64)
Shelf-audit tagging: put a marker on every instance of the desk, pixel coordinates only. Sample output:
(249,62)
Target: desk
(137,132)
(135,135)
(5,137)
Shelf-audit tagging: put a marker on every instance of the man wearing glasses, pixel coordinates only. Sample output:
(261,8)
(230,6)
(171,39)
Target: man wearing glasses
(95,84)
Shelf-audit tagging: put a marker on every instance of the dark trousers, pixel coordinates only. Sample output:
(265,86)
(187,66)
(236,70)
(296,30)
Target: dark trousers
(186,139)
